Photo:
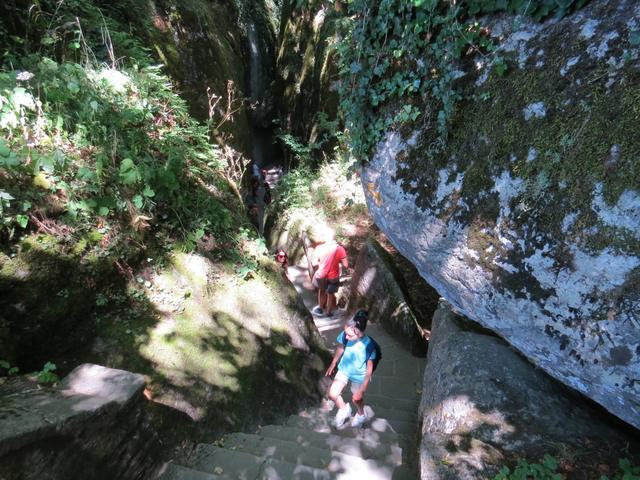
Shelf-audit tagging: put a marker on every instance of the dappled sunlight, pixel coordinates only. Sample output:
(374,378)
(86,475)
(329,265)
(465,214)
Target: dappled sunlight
(460,415)
(219,337)
(469,432)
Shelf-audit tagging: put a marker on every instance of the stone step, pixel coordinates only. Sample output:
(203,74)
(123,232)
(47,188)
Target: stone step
(377,411)
(402,422)
(225,463)
(233,464)
(312,456)
(394,387)
(404,404)
(323,421)
(365,443)
(171,471)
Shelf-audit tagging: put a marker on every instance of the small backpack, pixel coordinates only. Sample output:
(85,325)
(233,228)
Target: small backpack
(371,348)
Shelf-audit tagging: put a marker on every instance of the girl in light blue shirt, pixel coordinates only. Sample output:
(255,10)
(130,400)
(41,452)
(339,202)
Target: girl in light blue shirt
(354,359)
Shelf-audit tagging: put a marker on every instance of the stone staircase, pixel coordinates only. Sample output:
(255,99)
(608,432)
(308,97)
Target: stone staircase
(309,446)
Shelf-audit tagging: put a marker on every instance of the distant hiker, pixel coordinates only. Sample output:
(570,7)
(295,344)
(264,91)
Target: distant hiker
(254,215)
(267,194)
(255,171)
(255,187)
(328,256)
(283,259)
(356,358)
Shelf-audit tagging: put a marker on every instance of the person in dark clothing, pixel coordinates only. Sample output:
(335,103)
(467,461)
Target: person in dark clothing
(267,194)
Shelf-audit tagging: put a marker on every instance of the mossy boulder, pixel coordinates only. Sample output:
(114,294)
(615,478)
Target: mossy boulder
(529,220)
(228,349)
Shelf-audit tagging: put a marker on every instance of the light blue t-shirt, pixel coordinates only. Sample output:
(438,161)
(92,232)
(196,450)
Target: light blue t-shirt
(354,360)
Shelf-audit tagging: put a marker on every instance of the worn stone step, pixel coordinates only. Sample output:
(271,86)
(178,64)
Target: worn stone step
(321,421)
(323,458)
(365,443)
(400,422)
(407,405)
(171,471)
(405,473)
(377,411)
(225,463)
(233,465)
(395,387)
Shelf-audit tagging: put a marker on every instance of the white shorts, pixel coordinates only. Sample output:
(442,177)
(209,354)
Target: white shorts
(344,380)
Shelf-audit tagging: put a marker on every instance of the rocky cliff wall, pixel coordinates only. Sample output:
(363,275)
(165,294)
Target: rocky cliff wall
(205,46)
(529,221)
(306,84)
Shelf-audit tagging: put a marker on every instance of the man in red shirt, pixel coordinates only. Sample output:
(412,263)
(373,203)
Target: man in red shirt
(328,256)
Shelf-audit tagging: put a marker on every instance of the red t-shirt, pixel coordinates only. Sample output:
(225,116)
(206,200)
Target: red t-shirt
(325,255)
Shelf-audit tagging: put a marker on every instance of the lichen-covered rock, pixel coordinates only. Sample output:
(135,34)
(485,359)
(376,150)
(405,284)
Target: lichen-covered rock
(484,406)
(529,220)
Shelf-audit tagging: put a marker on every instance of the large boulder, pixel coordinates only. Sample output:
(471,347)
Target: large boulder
(529,220)
(484,406)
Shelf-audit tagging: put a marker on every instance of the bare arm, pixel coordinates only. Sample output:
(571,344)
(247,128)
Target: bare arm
(334,362)
(357,396)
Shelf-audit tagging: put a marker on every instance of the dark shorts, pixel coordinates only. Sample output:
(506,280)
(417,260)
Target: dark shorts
(326,284)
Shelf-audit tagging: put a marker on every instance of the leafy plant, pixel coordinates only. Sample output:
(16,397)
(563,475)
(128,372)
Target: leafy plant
(46,375)
(11,370)
(397,55)
(532,471)
(628,471)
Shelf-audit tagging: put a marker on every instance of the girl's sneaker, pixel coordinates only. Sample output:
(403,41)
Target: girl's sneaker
(358,420)
(342,415)
(317,311)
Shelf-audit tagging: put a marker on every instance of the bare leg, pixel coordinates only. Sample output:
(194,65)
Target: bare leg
(334,393)
(322,299)
(360,406)
(331,303)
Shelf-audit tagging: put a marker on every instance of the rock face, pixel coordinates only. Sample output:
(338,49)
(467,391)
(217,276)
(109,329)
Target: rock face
(376,285)
(483,406)
(91,426)
(529,220)
(306,92)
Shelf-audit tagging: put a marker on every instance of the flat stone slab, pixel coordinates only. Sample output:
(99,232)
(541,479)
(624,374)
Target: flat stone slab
(33,414)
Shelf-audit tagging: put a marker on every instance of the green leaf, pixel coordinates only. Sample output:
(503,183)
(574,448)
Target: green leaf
(500,66)
(103,211)
(550,462)
(73,87)
(22,220)
(49,367)
(4,151)
(128,172)
(5,196)
(138,201)
(148,192)
(634,38)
